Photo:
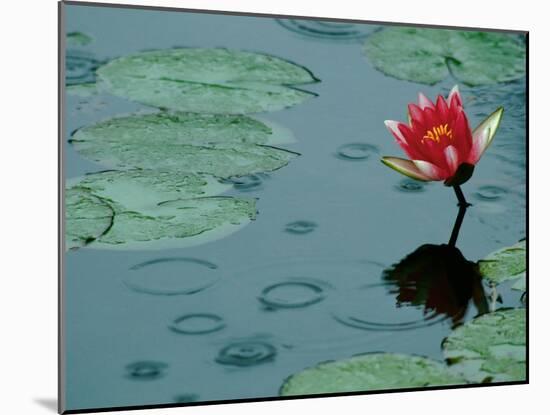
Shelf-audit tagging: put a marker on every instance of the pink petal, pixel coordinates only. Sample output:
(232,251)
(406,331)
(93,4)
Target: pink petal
(415,114)
(451,157)
(442,108)
(454,93)
(393,126)
(424,102)
(430,170)
(406,167)
(483,135)
(462,134)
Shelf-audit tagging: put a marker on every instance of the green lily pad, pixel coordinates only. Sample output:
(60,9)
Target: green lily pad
(178,223)
(520,284)
(490,348)
(83,90)
(153,209)
(214,80)
(144,189)
(87,217)
(505,264)
(184,128)
(220,145)
(430,55)
(370,372)
(78,39)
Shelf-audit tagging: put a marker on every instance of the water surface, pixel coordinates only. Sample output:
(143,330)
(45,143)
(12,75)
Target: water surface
(303,283)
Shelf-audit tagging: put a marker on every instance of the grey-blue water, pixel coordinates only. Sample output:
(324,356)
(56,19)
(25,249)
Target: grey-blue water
(279,295)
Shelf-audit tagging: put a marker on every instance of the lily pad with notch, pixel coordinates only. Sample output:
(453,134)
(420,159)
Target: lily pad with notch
(221,145)
(87,217)
(429,56)
(207,80)
(144,219)
(144,189)
(178,223)
(185,129)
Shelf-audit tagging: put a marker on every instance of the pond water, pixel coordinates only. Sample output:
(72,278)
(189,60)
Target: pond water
(303,283)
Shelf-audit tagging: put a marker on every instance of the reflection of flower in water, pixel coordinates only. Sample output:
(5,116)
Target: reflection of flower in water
(440,279)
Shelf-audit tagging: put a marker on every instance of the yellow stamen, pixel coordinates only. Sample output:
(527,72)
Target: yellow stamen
(436,133)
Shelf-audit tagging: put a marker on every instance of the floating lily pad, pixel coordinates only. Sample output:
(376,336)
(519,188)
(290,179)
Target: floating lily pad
(505,264)
(146,215)
(431,55)
(83,90)
(490,348)
(178,223)
(87,217)
(520,284)
(370,372)
(78,39)
(206,80)
(145,189)
(218,145)
(183,128)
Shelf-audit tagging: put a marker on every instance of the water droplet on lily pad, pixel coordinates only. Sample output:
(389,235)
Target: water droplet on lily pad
(172,276)
(221,145)
(246,353)
(505,264)
(197,323)
(370,372)
(429,56)
(214,80)
(490,348)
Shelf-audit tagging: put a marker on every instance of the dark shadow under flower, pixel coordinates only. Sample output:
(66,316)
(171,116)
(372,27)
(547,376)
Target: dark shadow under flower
(438,278)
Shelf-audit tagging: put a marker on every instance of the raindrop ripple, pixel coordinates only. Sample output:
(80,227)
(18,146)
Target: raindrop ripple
(246,353)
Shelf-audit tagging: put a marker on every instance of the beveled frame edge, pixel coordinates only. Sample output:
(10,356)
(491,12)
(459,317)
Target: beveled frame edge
(61,363)
(287,16)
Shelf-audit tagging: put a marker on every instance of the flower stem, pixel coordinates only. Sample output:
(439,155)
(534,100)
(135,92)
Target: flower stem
(463,205)
(460,196)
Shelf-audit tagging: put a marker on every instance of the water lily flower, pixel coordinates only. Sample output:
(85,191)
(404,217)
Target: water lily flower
(439,142)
